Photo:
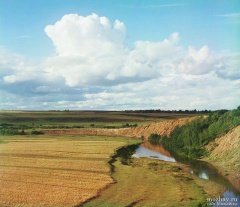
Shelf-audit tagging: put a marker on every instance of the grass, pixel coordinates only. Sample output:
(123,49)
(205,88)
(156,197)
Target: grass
(100,119)
(150,183)
(54,171)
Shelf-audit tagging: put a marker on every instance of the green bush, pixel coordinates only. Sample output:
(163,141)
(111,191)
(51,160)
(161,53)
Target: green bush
(37,132)
(9,131)
(154,138)
(189,139)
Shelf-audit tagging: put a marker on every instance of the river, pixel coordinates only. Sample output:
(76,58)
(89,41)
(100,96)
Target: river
(199,168)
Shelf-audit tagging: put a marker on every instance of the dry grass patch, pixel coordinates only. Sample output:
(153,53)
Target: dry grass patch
(53,172)
(148,183)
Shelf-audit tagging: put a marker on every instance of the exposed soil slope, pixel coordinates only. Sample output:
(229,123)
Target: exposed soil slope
(162,128)
(226,155)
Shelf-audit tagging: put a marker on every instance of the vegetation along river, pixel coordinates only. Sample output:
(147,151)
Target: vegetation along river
(199,168)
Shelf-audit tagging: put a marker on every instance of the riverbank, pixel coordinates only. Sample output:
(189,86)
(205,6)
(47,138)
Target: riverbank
(148,182)
(224,154)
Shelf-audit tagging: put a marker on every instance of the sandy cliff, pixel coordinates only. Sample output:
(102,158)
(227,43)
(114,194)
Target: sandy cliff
(225,154)
(162,128)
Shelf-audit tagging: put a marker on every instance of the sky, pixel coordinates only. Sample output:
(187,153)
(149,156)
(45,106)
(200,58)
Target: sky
(119,55)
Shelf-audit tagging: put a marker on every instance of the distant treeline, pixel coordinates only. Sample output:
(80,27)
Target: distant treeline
(195,111)
(172,111)
(189,139)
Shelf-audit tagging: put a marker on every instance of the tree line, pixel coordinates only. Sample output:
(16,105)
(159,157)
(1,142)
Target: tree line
(172,111)
(188,140)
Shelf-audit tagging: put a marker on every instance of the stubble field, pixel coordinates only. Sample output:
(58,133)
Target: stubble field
(53,172)
(72,169)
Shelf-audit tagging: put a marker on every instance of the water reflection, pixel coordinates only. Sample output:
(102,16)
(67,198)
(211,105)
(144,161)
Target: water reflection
(199,168)
(156,148)
(203,175)
(145,152)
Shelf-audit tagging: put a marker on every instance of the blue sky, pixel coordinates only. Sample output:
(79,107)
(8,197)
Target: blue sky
(199,22)
(168,54)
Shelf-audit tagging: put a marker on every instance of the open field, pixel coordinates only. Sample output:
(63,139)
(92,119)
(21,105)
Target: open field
(68,171)
(93,123)
(75,167)
(54,172)
(141,132)
(98,119)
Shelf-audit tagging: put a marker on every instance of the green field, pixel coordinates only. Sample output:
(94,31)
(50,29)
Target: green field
(71,118)
(34,122)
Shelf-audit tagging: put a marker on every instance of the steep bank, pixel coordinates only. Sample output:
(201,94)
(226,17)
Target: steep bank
(225,154)
(162,128)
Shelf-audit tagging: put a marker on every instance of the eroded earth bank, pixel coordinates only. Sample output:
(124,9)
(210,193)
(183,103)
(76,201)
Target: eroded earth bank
(139,177)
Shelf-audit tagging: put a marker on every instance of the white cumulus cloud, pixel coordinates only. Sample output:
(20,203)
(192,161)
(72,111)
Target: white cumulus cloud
(92,50)
(76,35)
(196,61)
(93,67)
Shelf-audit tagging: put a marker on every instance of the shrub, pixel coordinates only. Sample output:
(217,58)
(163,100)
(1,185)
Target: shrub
(154,138)
(37,132)
(189,139)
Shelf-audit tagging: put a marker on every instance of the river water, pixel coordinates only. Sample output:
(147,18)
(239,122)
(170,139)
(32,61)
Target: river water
(201,169)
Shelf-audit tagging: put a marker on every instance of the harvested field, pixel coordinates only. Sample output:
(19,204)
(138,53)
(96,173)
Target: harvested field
(53,172)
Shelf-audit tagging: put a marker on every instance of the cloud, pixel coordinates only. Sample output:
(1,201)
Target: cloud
(207,91)
(228,66)
(229,15)
(86,36)
(88,49)
(234,18)
(9,60)
(22,37)
(46,89)
(196,61)
(93,67)
(15,68)
(92,50)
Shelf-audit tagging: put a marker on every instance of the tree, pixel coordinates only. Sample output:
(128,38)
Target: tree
(154,138)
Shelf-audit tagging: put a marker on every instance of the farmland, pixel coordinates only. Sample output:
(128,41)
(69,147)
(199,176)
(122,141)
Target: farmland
(54,172)
(85,119)
(68,165)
